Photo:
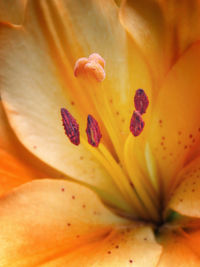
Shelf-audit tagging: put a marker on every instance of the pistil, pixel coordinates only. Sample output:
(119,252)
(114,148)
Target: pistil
(92,66)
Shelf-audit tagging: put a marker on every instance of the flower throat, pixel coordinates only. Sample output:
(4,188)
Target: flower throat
(93,67)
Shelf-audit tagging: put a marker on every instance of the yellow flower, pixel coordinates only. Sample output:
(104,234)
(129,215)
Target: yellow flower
(124,200)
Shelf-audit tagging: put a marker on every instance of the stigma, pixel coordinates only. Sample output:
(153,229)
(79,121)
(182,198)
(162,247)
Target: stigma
(93,131)
(92,66)
(71,127)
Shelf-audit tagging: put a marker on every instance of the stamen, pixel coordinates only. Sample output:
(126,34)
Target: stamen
(71,126)
(141,101)
(93,65)
(93,131)
(137,123)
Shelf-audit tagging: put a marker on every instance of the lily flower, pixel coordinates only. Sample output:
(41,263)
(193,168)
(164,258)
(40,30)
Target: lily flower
(119,184)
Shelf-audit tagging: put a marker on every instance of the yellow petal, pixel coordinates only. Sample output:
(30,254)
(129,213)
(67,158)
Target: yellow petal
(141,165)
(186,198)
(145,23)
(58,223)
(177,252)
(117,2)
(12,11)
(163,30)
(139,173)
(174,132)
(182,25)
(33,109)
(70,38)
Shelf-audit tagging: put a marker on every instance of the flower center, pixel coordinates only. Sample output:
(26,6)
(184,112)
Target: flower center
(140,204)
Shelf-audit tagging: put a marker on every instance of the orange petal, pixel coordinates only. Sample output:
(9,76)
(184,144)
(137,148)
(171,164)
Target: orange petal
(177,252)
(193,240)
(186,198)
(13,149)
(12,11)
(17,166)
(58,223)
(174,132)
(12,172)
(69,38)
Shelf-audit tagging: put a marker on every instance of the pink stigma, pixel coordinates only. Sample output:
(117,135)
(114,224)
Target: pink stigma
(71,127)
(92,66)
(141,101)
(137,123)
(93,131)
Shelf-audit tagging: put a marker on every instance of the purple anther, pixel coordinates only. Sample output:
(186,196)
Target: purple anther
(141,101)
(71,127)
(93,131)
(136,124)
